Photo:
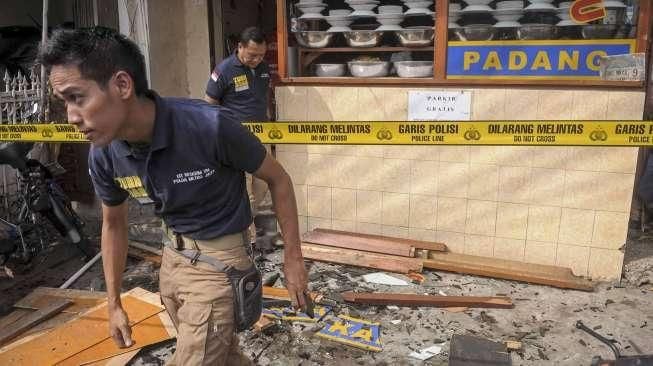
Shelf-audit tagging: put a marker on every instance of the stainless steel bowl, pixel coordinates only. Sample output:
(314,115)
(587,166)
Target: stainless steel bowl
(414,69)
(476,32)
(368,69)
(329,70)
(536,31)
(416,36)
(599,31)
(314,39)
(363,38)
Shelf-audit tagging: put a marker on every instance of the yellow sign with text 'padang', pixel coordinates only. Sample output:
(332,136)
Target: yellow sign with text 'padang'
(528,133)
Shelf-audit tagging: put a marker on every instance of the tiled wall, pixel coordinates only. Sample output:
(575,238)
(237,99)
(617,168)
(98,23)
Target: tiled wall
(567,206)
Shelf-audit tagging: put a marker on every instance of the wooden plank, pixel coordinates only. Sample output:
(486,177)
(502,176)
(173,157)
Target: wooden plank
(32,319)
(644,26)
(33,298)
(78,304)
(145,333)
(388,241)
(359,258)
(14,316)
(397,81)
(369,243)
(262,324)
(441,40)
(508,270)
(280,293)
(282,39)
(75,336)
(496,302)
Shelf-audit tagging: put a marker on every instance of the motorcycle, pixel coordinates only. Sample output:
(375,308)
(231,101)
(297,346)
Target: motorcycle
(25,235)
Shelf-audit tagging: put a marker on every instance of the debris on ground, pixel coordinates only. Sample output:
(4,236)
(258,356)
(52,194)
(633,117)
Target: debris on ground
(380,278)
(426,353)
(76,332)
(539,320)
(472,351)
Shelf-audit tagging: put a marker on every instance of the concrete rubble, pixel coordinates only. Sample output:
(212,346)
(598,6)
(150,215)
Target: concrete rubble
(542,319)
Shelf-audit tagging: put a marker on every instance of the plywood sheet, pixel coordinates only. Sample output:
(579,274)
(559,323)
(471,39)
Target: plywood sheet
(75,336)
(149,331)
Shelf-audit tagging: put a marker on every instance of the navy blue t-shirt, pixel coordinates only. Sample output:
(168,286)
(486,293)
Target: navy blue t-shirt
(243,91)
(192,170)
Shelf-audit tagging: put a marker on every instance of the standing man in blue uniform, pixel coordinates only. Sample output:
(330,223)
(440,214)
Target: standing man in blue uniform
(241,84)
(189,159)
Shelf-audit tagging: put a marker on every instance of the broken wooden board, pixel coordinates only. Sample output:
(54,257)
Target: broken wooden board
(413,300)
(23,324)
(262,324)
(75,336)
(359,258)
(368,242)
(280,293)
(150,331)
(343,239)
(474,351)
(507,270)
(82,300)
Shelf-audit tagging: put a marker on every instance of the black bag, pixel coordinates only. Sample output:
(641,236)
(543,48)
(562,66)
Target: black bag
(247,286)
(248,296)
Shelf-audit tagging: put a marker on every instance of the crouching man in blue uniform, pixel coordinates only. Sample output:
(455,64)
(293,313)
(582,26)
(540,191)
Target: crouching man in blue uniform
(187,158)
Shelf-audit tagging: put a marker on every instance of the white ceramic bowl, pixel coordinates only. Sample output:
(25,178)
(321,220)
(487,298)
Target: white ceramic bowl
(477,2)
(339,12)
(390,21)
(312,5)
(309,2)
(477,9)
(419,4)
(313,10)
(510,4)
(363,7)
(390,9)
(338,21)
(359,2)
(508,15)
(563,14)
(454,7)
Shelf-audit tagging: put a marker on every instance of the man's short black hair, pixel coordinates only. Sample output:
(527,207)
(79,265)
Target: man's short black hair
(98,52)
(253,34)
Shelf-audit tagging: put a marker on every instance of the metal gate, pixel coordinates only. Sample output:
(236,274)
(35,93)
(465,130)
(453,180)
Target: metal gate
(20,103)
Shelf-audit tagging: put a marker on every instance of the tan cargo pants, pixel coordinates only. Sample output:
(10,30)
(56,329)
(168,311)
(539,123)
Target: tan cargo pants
(199,299)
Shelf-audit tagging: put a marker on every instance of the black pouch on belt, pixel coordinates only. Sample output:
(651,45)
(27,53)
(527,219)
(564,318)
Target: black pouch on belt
(247,288)
(248,296)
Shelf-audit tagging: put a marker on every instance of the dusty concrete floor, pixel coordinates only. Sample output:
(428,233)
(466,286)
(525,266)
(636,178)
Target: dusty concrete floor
(543,318)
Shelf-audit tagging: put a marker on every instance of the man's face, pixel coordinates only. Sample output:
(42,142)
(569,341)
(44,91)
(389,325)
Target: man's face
(252,53)
(97,112)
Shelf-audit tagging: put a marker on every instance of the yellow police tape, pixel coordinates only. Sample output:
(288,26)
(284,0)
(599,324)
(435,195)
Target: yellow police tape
(578,133)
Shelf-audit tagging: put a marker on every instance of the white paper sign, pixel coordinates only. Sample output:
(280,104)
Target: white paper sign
(439,105)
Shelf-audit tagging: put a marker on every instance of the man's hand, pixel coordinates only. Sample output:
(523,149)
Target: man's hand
(296,282)
(119,327)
